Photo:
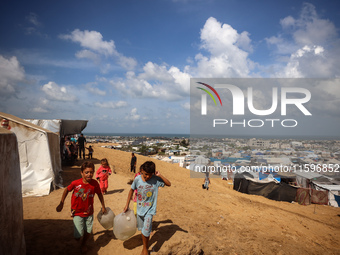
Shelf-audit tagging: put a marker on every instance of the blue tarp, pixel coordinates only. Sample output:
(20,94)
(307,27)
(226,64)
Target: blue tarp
(228,160)
(265,175)
(337,199)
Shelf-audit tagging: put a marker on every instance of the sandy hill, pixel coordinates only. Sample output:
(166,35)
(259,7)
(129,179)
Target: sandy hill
(189,220)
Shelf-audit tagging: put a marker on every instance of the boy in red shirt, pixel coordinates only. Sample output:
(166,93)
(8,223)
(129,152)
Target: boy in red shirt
(82,203)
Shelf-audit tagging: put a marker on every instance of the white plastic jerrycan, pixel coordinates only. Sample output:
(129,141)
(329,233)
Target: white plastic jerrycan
(125,225)
(106,220)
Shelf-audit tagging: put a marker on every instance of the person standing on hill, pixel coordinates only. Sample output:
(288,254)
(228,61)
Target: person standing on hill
(133,163)
(81,145)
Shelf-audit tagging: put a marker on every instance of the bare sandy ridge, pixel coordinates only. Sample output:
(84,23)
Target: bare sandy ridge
(189,220)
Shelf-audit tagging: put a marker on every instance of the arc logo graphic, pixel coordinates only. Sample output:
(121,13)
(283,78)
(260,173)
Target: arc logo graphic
(204,97)
(239,98)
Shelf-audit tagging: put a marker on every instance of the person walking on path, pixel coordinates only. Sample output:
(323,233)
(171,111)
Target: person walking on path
(102,175)
(206,183)
(82,198)
(147,185)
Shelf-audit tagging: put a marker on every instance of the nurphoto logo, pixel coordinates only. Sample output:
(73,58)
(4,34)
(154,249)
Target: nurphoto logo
(243,102)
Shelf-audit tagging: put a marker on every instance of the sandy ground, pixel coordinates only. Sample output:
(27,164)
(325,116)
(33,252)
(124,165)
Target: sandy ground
(189,220)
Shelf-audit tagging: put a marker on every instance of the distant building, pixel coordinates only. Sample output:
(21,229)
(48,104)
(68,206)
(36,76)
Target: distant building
(258,143)
(216,153)
(285,146)
(307,145)
(296,145)
(275,145)
(139,141)
(239,144)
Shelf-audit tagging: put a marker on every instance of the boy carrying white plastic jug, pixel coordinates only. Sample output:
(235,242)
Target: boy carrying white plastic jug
(84,190)
(147,185)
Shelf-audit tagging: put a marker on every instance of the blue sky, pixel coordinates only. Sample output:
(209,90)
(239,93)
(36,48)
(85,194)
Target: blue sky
(126,65)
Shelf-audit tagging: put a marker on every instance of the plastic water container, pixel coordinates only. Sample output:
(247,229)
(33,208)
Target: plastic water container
(125,225)
(106,220)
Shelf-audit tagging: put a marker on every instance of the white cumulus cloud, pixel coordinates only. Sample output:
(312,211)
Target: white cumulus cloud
(133,115)
(11,74)
(225,55)
(311,29)
(157,81)
(39,110)
(58,93)
(111,104)
(186,105)
(92,40)
(228,52)
(89,55)
(94,44)
(92,87)
(33,19)
(309,45)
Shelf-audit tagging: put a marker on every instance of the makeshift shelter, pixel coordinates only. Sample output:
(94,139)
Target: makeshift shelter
(304,178)
(12,239)
(201,160)
(60,126)
(331,188)
(245,183)
(39,154)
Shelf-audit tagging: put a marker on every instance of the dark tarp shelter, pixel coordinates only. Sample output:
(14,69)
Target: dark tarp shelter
(271,190)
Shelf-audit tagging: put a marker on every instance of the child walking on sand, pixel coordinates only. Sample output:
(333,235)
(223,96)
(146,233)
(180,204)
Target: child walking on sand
(206,183)
(102,175)
(82,203)
(90,149)
(147,185)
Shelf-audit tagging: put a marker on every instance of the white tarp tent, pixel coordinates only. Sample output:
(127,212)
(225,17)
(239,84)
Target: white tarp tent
(39,154)
(12,240)
(61,126)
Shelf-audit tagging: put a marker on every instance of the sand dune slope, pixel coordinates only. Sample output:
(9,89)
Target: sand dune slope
(189,220)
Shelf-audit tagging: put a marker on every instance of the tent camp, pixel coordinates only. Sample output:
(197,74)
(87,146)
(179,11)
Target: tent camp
(60,126)
(39,154)
(12,239)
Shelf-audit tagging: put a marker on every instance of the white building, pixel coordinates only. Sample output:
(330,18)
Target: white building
(258,143)
(296,144)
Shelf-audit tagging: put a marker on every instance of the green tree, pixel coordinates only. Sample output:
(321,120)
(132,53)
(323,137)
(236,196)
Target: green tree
(143,149)
(184,143)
